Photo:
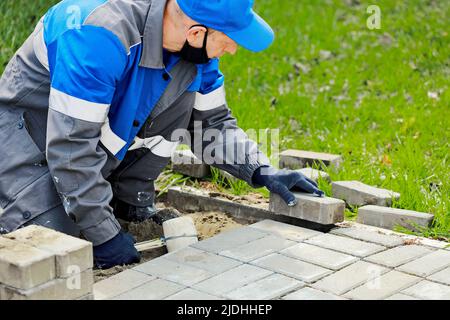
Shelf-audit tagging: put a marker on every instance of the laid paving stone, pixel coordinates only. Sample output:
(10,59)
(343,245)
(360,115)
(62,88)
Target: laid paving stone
(284,230)
(401,296)
(356,193)
(268,288)
(23,266)
(428,290)
(186,163)
(349,278)
(323,257)
(323,210)
(258,248)
(388,218)
(291,267)
(297,159)
(346,245)
(308,293)
(428,264)
(154,290)
(314,174)
(120,283)
(192,294)
(400,255)
(70,253)
(441,276)
(383,286)
(173,271)
(369,236)
(231,280)
(230,239)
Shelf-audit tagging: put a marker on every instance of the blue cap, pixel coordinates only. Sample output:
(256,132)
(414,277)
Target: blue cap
(235,18)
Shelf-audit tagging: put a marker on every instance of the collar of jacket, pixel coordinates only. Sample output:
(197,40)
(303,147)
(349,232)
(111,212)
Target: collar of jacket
(152,52)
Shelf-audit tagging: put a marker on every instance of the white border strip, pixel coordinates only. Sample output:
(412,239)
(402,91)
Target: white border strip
(212,100)
(40,49)
(157,145)
(110,140)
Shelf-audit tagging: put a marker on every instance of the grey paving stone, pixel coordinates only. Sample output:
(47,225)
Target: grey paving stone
(230,239)
(297,159)
(284,230)
(308,293)
(268,288)
(383,286)
(258,248)
(323,210)
(192,294)
(323,257)
(232,279)
(400,255)
(428,264)
(203,260)
(429,291)
(173,271)
(389,241)
(120,283)
(349,278)
(346,245)
(356,193)
(401,296)
(441,276)
(314,174)
(388,218)
(154,290)
(291,267)
(185,162)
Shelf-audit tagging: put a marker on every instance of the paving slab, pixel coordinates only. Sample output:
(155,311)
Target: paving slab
(401,296)
(389,241)
(356,193)
(315,174)
(441,276)
(192,294)
(400,255)
(268,288)
(320,256)
(291,267)
(153,290)
(232,279)
(428,264)
(346,245)
(428,290)
(383,286)
(297,159)
(284,230)
(349,278)
(308,293)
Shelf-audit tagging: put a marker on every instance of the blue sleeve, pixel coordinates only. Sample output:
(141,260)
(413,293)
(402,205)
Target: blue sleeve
(212,78)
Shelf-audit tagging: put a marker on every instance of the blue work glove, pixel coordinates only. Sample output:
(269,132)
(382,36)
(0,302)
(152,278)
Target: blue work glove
(118,251)
(282,181)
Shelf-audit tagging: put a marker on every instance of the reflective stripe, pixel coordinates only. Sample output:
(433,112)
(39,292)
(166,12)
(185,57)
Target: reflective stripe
(212,100)
(78,108)
(110,140)
(157,145)
(40,49)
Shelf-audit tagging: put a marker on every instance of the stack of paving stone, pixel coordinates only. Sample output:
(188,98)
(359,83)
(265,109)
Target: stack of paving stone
(37,263)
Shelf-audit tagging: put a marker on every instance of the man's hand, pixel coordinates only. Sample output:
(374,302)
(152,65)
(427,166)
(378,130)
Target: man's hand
(119,250)
(282,181)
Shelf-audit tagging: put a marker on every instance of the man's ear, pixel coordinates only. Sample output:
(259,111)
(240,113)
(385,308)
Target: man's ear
(196,35)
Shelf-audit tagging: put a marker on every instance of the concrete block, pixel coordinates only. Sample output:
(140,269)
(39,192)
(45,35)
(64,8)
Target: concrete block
(268,288)
(346,245)
(120,283)
(383,286)
(179,233)
(321,210)
(73,255)
(349,278)
(428,290)
(441,276)
(285,230)
(23,266)
(308,293)
(291,267)
(297,159)
(399,255)
(315,174)
(192,294)
(323,257)
(185,162)
(356,193)
(257,248)
(231,280)
(389,241)
(401,296)
(388,218)
(153,290)
(428,264)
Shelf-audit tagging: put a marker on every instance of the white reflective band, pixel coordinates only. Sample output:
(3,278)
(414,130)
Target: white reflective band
(78,108)
(40,49)
(157,145)
(110,140)
(212,100)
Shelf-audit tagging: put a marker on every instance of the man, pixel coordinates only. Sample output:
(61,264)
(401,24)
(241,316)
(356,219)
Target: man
(90,103)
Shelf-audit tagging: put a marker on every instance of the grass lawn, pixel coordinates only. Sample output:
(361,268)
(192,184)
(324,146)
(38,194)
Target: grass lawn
(380,98)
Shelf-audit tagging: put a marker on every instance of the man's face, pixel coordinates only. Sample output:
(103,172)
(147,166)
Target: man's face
(219,43)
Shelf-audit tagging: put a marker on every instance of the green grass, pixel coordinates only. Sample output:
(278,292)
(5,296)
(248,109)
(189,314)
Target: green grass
(367,100)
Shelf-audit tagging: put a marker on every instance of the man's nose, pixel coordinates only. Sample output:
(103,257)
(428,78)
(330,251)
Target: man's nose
(232,49)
